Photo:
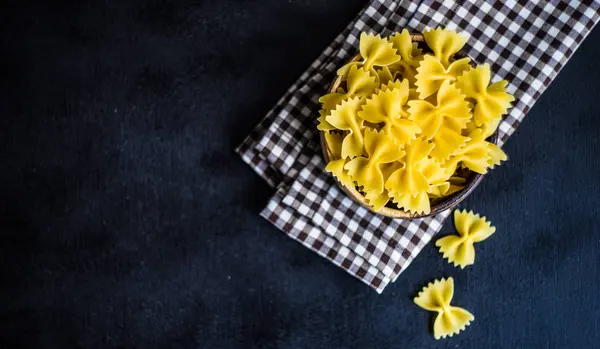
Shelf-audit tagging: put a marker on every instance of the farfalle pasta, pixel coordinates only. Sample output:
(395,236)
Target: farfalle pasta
(450,319)
(471,228)
(345,117)
(381,149)
(409,124)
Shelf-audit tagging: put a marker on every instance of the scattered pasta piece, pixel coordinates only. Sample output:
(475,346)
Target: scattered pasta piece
(450,319)
(471,229)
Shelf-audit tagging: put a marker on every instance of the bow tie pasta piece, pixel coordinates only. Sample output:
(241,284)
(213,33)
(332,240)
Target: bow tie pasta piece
(385,75)
(336,168)
(410,53)
(443,189)
(331,100)
(437,297)
(396,84)
(336,165)
(323,125)
(434,171)
(437,176)
(438,190)
(409,179)
(375,52)
(431,74)
(359,83)
(444,43)
(474,155)
(344,117)
(488,129)
(447,142)
(416,203)
(451,109)
(472,228)
(367,172)
(496,155)
(491,101)
(377,200)
(478,155)
(387,107)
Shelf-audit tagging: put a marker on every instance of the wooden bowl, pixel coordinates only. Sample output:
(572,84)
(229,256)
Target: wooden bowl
(437,205)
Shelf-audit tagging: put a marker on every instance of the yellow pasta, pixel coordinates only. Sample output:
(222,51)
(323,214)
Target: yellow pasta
(477,155)
(447,142)
(406,128)
(434,171)
(358,83)
(496,155)
(385,75)
(336,166)
(375,51)
(377,200)
(323,125)
(438,190)
(491,101)
(410,53)
(432,73)
(443,189)
(471,229)
(345,117)
(450,319)
(444,43)
(451,109)
(417,203)
(367,172)
(410,179)
(387,107)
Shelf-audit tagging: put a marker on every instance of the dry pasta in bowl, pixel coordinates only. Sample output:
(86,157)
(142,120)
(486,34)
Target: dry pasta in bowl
(409,125)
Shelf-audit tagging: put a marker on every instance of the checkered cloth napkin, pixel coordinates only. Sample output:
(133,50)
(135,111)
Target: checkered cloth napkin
(525,42)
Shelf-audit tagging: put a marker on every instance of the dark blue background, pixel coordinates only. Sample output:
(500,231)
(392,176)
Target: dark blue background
(128,221)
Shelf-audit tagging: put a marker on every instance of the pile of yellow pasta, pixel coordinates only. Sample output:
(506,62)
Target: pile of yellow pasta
(404,122)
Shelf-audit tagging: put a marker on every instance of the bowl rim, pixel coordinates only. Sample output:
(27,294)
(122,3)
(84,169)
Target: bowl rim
(448,203)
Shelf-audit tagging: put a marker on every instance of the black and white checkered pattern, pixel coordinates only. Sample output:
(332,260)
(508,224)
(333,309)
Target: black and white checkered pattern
(525,42)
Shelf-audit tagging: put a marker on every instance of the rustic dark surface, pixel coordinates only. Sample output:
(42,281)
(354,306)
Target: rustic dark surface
(128,221)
